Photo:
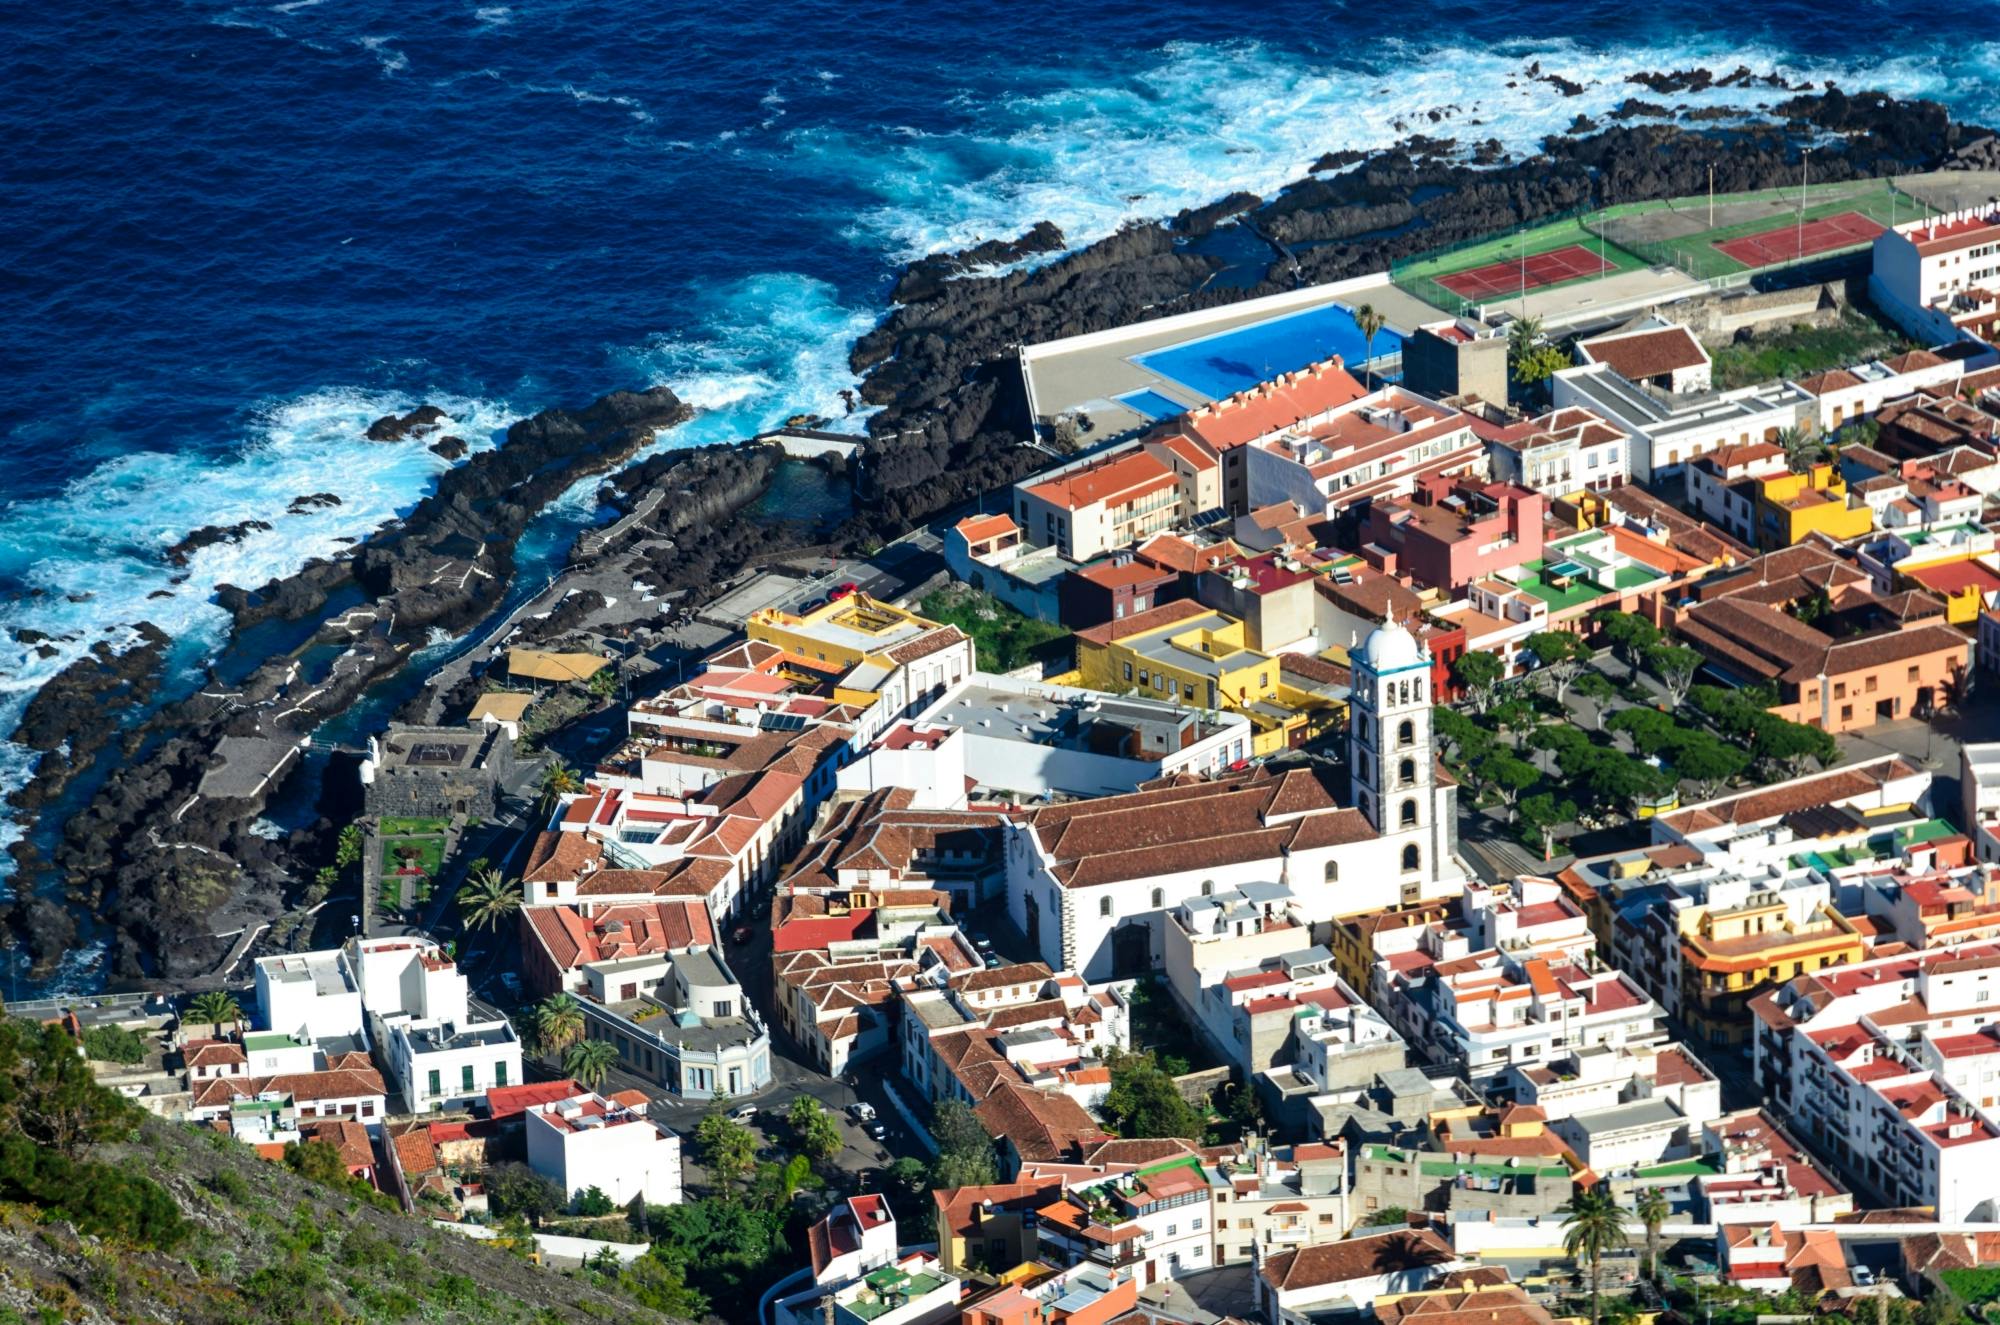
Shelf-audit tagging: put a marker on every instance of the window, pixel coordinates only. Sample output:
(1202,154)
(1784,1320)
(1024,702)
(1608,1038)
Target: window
(1412,858)
(1406,772)
(436,1085)
(1173,1230)
(1409,819)
(1208,887)
(1333,871)
(1159,898)
(1263,680)
(1197,1223)
(1104,906)
(1145,677)
(1847,712)
(724,1008)
(499,1074)
(1128,671)
(1406,733)
(465,1079)
(1913,675)
(1869,686)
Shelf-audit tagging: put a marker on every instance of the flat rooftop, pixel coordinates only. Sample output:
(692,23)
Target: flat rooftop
(321,970)
(1060,718)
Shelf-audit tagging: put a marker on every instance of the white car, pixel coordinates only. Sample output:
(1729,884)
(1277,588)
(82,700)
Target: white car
(861,1111)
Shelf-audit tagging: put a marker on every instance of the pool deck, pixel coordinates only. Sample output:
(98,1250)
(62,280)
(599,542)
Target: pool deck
(1088,377)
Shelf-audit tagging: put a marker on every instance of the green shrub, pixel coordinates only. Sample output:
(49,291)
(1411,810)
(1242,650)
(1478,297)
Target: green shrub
(113,1044)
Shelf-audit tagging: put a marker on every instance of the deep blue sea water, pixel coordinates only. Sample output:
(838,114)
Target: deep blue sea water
(235,233)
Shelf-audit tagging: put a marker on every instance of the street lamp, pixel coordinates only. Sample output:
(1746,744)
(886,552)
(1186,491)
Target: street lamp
(1805,155)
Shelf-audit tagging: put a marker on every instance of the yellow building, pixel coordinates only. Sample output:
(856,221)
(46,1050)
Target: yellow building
(1789,506)
(1185,652)
(872,650)
(1730,955)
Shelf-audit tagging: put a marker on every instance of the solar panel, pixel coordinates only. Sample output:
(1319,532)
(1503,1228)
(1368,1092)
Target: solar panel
(781,722)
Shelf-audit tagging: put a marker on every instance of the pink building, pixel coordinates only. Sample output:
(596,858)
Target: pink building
(1472,531)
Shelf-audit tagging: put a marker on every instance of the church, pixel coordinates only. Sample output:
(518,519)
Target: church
(1090,882)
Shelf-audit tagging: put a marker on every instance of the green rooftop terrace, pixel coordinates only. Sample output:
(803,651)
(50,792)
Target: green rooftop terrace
(258,1040)
(892,1289)
(1560,598)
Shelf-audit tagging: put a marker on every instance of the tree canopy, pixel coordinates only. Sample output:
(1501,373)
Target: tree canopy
(1144,1101)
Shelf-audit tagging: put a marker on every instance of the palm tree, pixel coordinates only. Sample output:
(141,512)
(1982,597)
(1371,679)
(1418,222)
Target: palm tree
(1801,446)
(1369,323)
(486,898)
(1652,1209)
(559,780)
(558,1022)
(216,1007)
(589,1062)
(1595,1225)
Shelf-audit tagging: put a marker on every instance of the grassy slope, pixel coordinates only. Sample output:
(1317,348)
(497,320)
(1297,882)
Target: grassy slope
(281,1249)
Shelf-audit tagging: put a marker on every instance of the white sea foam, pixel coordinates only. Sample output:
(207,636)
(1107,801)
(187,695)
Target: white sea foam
(392,60)
(777,347)
(1203,120)
(100,539)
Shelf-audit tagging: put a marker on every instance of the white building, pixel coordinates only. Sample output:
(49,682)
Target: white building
(1563,451)
(1712,491)
(309,996)
(1294,1287)
(1030,739)
(1846,394)
(1652,352)
(1892,1067)
(1925,268)
(1667,431)
(1090,882)
(1979,795)
(589,1141)
(1377,446)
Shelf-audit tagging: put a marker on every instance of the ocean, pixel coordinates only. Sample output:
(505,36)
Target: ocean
(236,233)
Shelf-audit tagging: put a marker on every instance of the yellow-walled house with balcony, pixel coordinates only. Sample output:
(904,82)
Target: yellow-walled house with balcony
(1190,654)
(881,658)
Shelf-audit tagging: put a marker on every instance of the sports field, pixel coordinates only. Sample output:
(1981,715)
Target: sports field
(1750,231)
(1707,238)
(1529,273)
(1558,253)
(1789,243)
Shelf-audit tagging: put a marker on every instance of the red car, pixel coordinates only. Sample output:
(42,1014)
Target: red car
(843,591)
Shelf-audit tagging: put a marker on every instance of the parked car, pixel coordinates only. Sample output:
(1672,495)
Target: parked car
(983,944)
(746,1113)
(993,962)
(740,934)
(862,1111)
(876,1131)
(843,590)
(511,983)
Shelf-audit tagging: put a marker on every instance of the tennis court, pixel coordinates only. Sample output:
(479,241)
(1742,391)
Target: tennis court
(1531,273)
(1787,243)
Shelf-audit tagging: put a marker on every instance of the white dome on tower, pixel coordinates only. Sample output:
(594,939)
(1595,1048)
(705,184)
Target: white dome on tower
(1390,647)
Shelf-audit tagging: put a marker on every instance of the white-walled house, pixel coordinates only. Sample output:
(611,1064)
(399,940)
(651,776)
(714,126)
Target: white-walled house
(590,1141)
(1294,1287)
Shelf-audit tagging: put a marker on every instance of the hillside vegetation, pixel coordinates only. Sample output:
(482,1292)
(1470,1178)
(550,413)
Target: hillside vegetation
(109,1215)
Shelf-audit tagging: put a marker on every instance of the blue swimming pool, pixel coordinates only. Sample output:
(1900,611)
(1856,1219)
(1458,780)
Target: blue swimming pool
(1152,404)
(1229,361)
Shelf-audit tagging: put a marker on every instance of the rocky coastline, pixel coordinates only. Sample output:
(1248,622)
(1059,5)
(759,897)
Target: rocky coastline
(150,857)
(950,425)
